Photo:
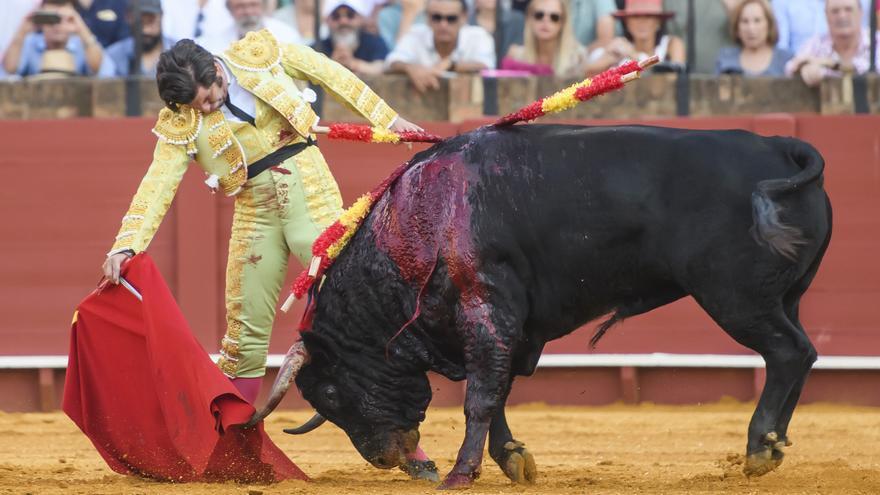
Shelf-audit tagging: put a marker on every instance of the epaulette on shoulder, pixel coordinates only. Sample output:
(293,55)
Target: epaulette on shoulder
(258,51)
(180,127)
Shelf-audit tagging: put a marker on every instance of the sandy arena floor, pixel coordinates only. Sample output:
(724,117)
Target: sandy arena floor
(615,449)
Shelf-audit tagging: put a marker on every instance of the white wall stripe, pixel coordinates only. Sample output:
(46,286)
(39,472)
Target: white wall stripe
(656,360)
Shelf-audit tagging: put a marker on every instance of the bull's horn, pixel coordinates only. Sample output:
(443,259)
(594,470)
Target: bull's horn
(296,357)
(316,421)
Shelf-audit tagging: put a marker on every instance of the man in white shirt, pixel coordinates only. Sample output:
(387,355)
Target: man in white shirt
(800,20)
(446,44)
(249,15)
(844,49)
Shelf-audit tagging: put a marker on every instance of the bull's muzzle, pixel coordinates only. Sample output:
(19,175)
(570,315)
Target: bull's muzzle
(394,451)
(297,356)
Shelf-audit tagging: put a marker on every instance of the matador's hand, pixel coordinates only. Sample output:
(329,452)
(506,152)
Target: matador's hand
(401,125)
(112,266)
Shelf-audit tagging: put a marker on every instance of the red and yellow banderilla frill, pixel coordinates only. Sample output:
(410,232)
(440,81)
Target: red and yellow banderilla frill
(566,99)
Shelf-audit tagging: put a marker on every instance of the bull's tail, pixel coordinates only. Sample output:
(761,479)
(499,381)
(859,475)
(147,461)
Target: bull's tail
(768,230)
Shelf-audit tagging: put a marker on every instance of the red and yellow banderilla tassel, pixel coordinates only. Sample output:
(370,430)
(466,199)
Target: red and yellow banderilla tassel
(568,98)
(329,245)
(367,134)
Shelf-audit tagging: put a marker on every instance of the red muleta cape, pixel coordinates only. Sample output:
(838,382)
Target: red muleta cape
(149,397)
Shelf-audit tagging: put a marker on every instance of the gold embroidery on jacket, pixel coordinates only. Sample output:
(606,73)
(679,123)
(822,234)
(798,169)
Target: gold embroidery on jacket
(258,51)
(181,127)
(305,63)
(292,107)
(153,197)
(223,144)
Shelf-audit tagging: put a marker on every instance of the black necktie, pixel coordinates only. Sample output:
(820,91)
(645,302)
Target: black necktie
(241,114)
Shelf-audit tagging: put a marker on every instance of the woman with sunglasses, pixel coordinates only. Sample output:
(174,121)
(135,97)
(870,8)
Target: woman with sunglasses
(549,46)
(644,28)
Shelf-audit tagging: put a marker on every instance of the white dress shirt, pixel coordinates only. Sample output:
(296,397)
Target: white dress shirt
(238,96)
(474,44)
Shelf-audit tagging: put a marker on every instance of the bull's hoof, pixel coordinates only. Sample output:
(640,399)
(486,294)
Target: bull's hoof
(421,470)
(456,481)
(520,464)
(761,463)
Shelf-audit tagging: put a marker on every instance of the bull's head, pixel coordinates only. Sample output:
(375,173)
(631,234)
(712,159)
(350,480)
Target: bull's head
(376,404)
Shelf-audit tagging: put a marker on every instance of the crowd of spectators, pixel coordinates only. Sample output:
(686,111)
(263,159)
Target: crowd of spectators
(428,40)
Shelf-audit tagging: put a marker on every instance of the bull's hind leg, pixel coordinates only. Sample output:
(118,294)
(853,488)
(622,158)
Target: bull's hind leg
(788,355)
(791,312)
(791,306)
(511,455)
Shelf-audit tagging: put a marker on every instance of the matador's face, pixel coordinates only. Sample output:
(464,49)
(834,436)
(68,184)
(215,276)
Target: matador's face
(210,99)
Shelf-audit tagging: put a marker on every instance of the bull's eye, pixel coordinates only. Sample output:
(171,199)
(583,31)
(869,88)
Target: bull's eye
(331,396)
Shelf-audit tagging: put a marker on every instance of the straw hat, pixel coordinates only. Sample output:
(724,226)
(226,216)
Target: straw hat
(56,64)
(652,8)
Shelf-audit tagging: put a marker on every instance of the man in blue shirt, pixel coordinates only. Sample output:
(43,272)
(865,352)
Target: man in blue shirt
(66,35)
(800,20)
(121,53)
(105,18)
(349,44)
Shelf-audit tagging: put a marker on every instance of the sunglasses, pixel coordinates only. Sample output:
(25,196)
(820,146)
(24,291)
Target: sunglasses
(554,17)
(340,13)
(450,19)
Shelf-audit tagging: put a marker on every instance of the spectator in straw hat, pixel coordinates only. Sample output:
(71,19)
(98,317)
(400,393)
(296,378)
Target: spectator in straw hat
(644,28)
(56,64)
(61,28)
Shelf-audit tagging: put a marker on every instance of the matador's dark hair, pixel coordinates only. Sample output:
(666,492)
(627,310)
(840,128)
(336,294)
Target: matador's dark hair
(181,70)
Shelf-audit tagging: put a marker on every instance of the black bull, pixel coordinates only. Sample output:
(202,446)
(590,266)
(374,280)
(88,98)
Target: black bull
(497,241)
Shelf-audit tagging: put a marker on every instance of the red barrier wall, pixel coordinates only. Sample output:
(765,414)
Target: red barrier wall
(69,182)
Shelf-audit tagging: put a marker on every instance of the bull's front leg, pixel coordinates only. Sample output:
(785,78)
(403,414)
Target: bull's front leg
(487,357)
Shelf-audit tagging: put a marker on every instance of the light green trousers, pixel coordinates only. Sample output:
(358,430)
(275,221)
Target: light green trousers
(278,213)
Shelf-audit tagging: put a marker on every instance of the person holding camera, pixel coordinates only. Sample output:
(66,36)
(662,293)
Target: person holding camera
(53,39)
